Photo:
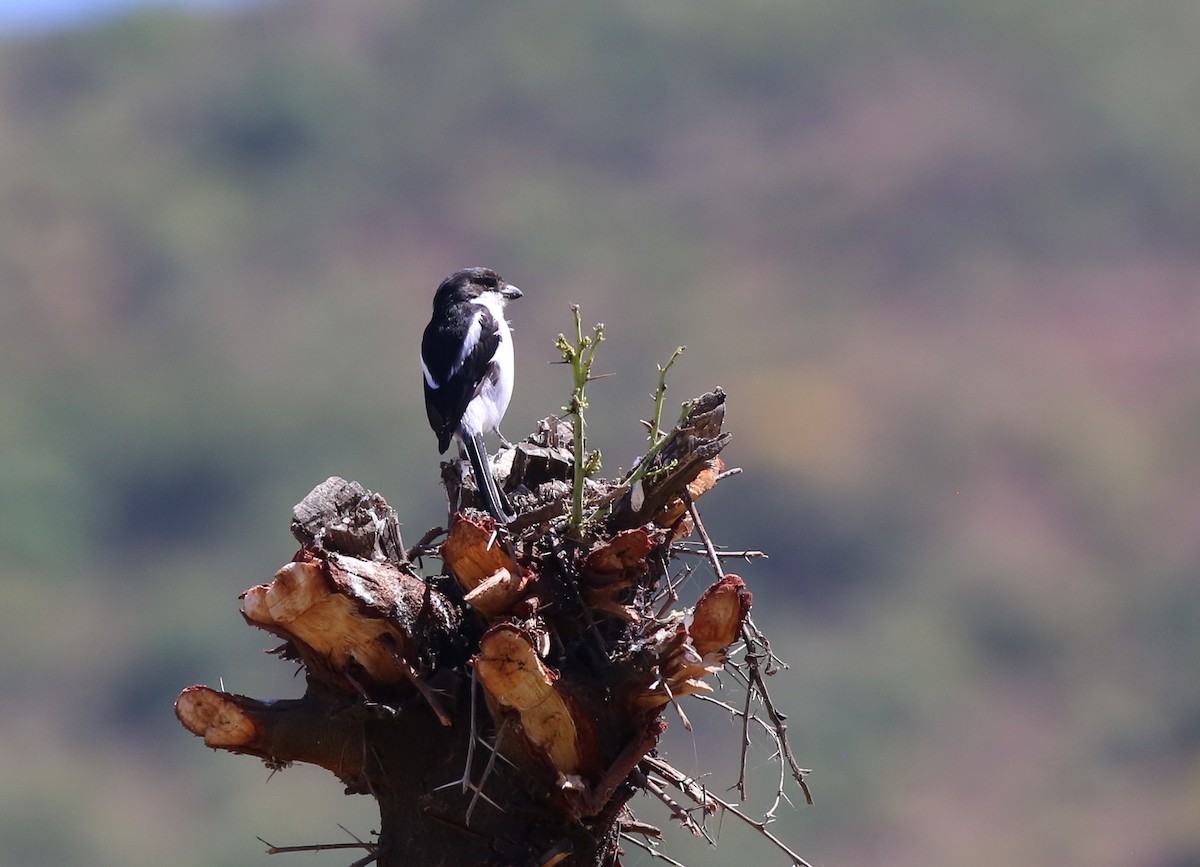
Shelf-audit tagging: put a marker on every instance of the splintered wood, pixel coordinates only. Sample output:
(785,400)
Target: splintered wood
(491,581)
(349,618)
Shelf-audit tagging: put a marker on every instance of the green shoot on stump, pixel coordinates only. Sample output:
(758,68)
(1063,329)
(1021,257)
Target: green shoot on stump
(657,438)
(656,433)
(579,355)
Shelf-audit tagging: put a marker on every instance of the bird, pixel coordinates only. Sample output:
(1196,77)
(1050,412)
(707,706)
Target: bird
(468,369)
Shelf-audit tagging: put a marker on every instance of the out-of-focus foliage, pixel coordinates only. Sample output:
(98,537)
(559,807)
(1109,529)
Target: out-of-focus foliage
(943,256)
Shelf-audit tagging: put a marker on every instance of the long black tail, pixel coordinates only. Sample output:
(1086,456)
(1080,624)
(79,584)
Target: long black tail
(493,498)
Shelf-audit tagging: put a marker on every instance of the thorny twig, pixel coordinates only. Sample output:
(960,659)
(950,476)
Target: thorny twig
(752,638)
(761,827)
(713,557)
(780,794)
(630,825)
(487,772)
(671,593)
(757,649)
(464,782)
(741,780)
(272,849)
(640,779)
(654,853)
(424,545)
(711,802)
(414,677)
(681,781)
(473,737)
(684,548)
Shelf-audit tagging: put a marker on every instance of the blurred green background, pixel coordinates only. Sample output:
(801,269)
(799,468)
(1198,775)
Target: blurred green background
(944,257)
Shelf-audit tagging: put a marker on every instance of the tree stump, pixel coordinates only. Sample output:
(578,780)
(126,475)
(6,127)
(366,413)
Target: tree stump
(504,711)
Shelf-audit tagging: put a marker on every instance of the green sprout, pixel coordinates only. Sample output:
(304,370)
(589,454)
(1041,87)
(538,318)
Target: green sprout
(579,355)
(656,434)
(656,437)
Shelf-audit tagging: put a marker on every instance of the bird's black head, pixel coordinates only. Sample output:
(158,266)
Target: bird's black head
(470,283)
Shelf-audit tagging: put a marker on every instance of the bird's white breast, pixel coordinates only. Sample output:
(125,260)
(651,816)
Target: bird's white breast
(486,411)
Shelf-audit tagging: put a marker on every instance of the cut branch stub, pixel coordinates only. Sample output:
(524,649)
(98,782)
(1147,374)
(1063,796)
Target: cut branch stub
(491,581)
(717,619)
(514,678)
(353,622)
(615,559)
(495,596)
(278,732)
(345,517)
(612,568)
(471,551)
(217,717)
(696,647)
(546,458)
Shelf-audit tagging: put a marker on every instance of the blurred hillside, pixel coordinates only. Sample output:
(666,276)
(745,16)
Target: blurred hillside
(943,257)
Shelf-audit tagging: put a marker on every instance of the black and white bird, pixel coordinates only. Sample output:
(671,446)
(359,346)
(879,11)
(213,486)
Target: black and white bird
(467,362)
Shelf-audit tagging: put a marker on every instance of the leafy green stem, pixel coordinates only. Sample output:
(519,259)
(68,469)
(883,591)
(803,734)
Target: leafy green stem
(579,355)
(656,437)
(656,434)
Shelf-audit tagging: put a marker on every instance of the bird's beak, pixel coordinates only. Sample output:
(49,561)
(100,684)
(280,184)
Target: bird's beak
(510,291)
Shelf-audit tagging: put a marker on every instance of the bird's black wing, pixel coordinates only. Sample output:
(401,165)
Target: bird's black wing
(441,346)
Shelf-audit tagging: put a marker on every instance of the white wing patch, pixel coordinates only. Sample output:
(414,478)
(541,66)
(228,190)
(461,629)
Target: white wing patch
(469,341)
(472,338)
(429,380)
